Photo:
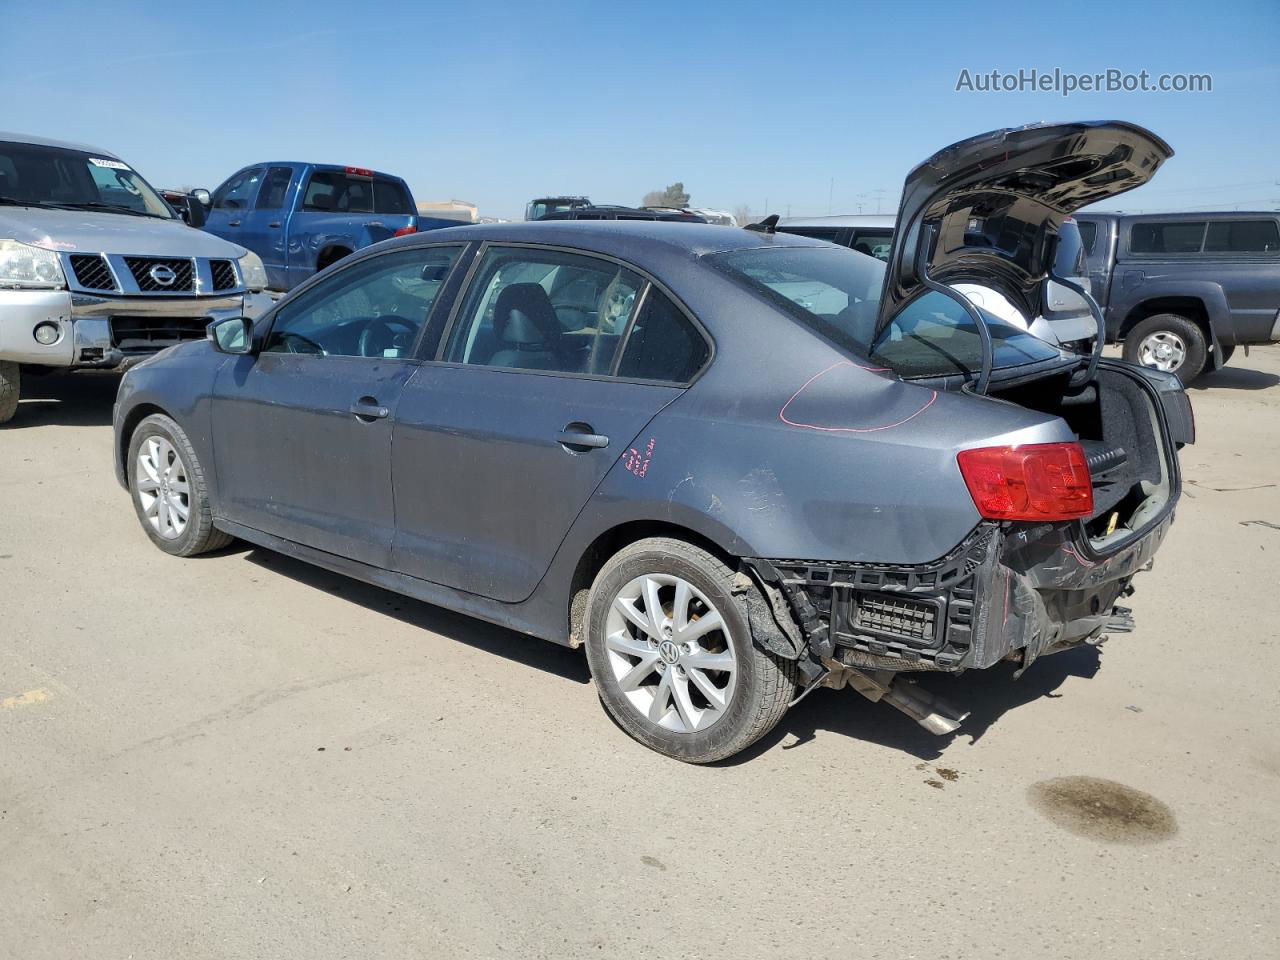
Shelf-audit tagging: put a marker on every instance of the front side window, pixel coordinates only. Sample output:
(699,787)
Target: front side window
(236,193)
(1168,236)
(1243,236)
(49,176)
(836,293)
(544,310)
(372,309)
(332,191)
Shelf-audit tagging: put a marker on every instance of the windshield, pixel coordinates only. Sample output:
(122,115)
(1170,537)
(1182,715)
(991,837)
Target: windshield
(47,176)
(836,292)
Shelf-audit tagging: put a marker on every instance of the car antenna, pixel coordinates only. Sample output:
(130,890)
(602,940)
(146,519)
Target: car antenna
(768,225)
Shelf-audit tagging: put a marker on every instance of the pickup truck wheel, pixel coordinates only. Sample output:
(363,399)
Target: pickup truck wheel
(10,389)
(671,654)
(169,491)
(1168,342)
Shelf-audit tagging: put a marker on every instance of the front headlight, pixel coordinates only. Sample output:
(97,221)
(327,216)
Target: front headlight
(254,273)
(29,268)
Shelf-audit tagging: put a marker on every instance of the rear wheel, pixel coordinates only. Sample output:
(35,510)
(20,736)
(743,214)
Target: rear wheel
(1168,342)
(671,654)
(10,389)
(169,491)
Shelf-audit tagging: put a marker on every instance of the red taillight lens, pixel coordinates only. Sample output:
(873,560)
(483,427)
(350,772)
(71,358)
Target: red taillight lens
(1043,481)
(405,231)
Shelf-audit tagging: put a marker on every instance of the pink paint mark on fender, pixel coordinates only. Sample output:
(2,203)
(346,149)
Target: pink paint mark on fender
(782,414)
(636,462)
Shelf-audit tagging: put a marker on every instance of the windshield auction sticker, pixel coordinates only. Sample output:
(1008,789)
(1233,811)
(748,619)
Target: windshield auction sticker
(109,164)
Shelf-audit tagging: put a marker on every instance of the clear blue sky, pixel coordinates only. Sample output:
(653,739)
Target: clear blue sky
(744,101)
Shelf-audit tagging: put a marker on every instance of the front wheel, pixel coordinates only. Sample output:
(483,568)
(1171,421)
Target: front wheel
(10,389)
(671,654)
(1168,342)
(169,492)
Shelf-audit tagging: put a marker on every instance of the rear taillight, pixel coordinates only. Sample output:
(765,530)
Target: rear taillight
(405,231)
(1043,481)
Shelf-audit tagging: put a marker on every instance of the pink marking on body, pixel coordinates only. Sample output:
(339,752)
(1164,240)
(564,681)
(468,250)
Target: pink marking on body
(782,414)
(1070,551)
(1006,597)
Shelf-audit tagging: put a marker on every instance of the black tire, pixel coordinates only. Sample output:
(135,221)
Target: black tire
(1188,331)
(199,534)
(10,389)
(763,686)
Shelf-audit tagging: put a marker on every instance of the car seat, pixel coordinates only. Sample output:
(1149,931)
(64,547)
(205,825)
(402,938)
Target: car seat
(525,322)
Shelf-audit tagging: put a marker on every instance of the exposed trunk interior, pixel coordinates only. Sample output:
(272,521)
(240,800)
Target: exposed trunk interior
(1117,424)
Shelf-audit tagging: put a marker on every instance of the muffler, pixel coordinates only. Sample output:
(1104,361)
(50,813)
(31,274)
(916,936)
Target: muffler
(932,713)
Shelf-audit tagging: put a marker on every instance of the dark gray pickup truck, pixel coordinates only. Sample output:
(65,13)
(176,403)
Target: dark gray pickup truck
(1183,290)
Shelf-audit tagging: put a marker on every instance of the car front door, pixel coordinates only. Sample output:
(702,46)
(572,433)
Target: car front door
(302,430)
(264,227)
(551,371)
(231,201)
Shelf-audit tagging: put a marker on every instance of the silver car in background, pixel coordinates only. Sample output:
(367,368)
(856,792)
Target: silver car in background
(97,271)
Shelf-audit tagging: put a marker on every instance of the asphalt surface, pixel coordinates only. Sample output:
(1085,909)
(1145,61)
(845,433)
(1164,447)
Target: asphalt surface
(241,756)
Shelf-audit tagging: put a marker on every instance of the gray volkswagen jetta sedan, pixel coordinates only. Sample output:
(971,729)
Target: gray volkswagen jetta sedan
(734,465)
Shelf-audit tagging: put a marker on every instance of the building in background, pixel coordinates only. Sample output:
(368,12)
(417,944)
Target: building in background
(459,210)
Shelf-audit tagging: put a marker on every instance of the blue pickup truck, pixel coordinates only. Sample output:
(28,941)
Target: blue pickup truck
(301,217)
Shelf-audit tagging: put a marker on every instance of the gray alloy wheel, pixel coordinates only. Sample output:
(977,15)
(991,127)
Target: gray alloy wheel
(10,389)
(1168,342)
(670,654)
(670,650)
(166,483)
(1163,350)
(162,487)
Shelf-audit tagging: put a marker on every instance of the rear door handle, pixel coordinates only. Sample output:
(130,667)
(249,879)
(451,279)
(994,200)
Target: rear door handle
(368,409)
(581,437)
(233,223)
(274,223)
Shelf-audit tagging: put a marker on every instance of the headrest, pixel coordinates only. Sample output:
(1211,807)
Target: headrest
(523,314)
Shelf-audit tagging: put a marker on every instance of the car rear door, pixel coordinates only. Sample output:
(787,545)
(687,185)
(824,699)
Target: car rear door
(499,443)
(302,430)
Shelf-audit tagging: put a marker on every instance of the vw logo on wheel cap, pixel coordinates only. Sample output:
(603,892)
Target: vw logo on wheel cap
(163,275)
(669,652)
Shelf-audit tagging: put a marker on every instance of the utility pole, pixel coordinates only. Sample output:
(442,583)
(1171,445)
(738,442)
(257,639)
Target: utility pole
(879,194)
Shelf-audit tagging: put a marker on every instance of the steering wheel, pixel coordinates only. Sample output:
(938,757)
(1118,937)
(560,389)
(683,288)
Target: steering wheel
(297,343)
(398,333)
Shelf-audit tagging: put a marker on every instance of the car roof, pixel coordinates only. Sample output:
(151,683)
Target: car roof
(64,144)
(625,239)
(1183,215)
(842,220)
(317,166)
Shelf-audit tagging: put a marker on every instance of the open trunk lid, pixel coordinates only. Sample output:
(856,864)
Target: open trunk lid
(995,204)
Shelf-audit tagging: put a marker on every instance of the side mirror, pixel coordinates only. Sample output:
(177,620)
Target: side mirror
(232,335)
(195,212)
(201,196)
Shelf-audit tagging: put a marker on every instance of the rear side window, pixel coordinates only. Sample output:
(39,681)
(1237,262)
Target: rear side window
(1089,234)
(390,196)
(274,188)
(1243,236)
(331,191)
(1167,236)
(873,243)
(663,344)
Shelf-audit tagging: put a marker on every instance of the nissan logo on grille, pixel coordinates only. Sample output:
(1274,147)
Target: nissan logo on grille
(163,275)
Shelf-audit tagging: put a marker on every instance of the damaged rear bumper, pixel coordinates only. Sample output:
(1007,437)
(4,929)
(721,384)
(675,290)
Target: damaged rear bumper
(1010,592)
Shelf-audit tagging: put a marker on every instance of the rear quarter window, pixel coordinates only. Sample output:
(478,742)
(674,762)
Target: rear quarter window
(1166,236)
(1088,235)
(1243,236)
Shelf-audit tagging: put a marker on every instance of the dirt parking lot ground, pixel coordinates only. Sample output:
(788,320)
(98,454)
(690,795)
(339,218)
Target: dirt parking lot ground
(241,756)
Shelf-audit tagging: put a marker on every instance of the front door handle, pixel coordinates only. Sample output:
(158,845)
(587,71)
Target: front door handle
(581,437)
(274,223)
(233,223)
(368,410)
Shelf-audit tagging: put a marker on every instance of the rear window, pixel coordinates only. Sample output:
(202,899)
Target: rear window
(331,191)
(1088,234)
(1168,236)
(836,293)
(390,196)
(1243,236)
